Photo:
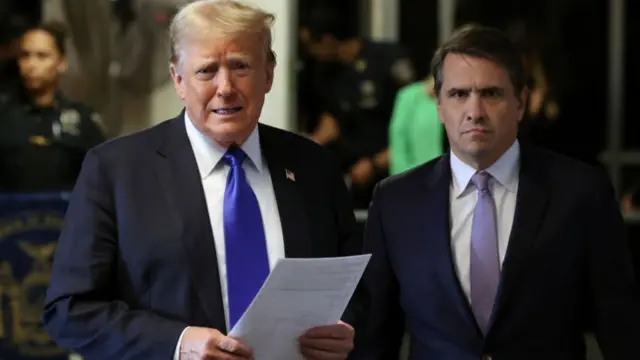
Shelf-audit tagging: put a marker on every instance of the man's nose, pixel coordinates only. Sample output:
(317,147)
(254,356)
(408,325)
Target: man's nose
(224,83)
(475,109)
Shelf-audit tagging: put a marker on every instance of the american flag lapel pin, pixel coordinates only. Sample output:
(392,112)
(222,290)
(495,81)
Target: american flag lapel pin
(290,175)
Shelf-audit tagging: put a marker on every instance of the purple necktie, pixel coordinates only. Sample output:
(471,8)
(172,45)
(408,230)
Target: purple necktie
(244,238)
(485,261)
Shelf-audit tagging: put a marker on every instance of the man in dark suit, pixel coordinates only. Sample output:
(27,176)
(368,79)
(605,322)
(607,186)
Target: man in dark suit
(170,232)
(496,250)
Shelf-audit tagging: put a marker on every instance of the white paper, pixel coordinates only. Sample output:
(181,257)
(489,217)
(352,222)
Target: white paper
(299,294)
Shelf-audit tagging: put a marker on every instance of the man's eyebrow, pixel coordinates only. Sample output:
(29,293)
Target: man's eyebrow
(492,88)
(454,90)
(238,57)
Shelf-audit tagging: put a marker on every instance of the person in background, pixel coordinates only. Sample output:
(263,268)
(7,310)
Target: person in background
(317,70)
(541,120)
(44,136)
(355,120)
(415,135)
(171,231)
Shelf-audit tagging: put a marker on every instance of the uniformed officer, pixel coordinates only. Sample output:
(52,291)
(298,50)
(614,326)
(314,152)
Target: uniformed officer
(355,124)
(43,135)
(315,75)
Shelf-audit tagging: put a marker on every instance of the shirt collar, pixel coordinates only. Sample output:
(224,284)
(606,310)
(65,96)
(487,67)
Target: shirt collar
(504,170)
(208,153)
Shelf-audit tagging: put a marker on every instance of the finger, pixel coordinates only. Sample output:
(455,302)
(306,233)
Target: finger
(314,354)
(342,323)
(234,346)
(329,345)
(337,331)
(217,354)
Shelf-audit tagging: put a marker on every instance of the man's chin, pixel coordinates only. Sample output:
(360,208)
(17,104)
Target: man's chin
(230,132)
(479,147)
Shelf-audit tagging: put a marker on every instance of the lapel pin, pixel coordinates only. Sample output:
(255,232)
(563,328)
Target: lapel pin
(290,175)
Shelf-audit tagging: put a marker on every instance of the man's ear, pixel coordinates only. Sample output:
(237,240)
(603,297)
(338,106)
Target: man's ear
(176,76)
(522,100)
(270,69)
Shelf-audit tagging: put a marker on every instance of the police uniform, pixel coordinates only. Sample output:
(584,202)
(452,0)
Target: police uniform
(42,148)
(314,79)
(362,100)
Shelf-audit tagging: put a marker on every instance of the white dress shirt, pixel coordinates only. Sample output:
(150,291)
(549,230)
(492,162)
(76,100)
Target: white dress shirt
(463,198)
(213,174)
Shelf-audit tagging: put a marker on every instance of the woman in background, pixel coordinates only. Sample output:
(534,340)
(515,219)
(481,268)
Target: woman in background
(415,135)
(44,136)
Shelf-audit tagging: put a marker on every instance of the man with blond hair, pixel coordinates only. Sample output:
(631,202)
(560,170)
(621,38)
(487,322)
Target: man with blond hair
(170,232)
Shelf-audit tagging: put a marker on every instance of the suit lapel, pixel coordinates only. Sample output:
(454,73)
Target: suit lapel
(437,208)
(531,203)
(178,174)
(287,182)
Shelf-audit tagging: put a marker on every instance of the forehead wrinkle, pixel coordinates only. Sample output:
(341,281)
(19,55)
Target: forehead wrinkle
(238,56)
(215,60)
(478,81)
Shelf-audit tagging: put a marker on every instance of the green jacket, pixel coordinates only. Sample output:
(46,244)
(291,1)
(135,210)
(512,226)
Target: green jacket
(415,134)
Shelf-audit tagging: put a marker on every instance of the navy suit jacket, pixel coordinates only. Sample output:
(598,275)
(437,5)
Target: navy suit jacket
(136,260)
(567,263)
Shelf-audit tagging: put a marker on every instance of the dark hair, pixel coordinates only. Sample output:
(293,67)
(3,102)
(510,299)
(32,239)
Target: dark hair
(325,20)
(483,42)
(58,32)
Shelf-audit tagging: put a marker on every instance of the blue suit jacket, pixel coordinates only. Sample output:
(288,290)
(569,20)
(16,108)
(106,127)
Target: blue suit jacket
(567,263)
(136,260)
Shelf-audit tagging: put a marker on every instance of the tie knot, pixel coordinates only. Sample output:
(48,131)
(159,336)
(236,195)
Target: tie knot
(235,156)
(481,180)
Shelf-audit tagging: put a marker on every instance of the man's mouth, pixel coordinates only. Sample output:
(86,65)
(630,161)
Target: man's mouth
(477,130)
(227,110)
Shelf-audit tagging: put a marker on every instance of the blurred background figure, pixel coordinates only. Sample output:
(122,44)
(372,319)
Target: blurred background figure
(354,123)
(316,70)
(541,122)
(44,135)
(119,57)
(415,136)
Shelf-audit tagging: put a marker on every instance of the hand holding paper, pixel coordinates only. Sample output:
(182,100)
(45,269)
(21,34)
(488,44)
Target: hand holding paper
(327,342)
(302,298)
(206,343)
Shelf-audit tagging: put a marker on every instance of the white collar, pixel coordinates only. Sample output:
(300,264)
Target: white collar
(504,170)
(208,153)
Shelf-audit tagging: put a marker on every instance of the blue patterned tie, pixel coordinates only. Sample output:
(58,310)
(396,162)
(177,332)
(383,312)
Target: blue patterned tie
(244,238)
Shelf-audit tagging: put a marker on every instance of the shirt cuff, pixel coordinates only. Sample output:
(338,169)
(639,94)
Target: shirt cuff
(176,355)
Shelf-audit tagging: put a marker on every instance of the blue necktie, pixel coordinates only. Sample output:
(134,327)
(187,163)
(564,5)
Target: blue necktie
(244,238)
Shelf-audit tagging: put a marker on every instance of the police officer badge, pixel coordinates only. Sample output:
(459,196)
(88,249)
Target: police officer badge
(368,95)
(70,122)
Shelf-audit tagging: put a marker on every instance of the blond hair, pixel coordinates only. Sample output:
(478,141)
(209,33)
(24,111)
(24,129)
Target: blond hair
(221,19)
